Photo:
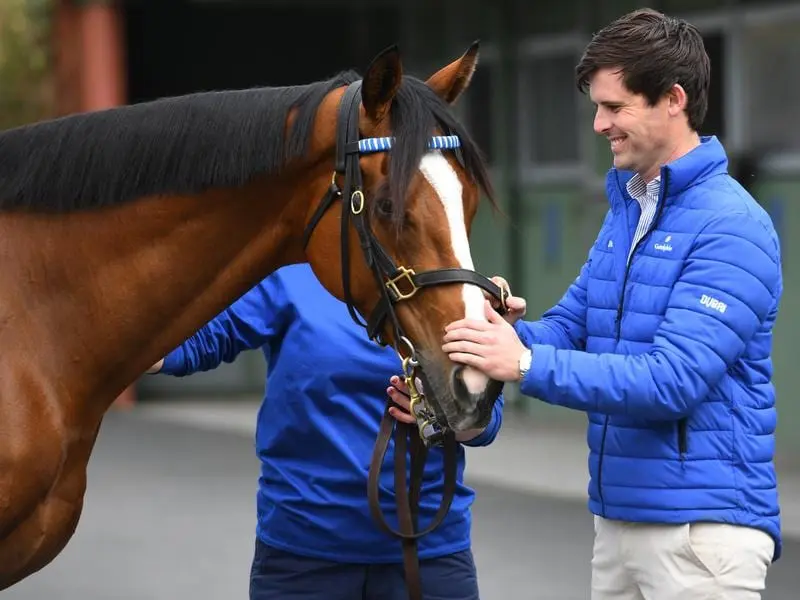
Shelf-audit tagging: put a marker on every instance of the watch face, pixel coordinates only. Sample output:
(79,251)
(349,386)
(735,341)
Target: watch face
(525,363)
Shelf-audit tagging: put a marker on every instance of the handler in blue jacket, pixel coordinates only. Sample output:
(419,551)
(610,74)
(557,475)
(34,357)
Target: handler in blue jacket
(664,339)
(325,394)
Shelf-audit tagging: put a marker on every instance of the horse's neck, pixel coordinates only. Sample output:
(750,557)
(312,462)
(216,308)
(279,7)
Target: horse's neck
(95,298)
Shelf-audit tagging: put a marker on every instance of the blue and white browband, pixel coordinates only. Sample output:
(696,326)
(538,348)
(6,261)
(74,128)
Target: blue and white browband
(382,144)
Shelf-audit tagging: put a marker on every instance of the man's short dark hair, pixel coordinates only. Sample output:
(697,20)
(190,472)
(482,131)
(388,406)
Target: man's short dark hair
(653,52)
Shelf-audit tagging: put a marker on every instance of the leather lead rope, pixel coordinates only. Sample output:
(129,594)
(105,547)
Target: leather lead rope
(408,501)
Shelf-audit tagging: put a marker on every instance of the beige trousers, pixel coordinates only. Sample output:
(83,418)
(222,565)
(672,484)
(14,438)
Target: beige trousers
(712,561)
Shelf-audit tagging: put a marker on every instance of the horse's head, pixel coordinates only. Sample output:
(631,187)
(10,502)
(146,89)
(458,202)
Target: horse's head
(409,179)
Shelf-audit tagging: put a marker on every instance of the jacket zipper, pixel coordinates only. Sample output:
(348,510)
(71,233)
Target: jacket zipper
(618,324)
(683,443)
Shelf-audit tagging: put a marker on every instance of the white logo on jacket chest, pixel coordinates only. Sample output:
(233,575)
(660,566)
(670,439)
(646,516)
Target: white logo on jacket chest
(713,303)
(664,246)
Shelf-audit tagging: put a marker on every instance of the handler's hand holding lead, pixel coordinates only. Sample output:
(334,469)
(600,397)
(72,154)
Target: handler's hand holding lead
(398,392)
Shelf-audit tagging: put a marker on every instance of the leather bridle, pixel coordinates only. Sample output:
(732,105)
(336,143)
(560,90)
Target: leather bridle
(396,284)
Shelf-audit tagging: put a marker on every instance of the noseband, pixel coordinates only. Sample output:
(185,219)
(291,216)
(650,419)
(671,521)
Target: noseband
(396,284)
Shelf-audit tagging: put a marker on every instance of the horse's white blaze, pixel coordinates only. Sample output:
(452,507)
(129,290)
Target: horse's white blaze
(444,181)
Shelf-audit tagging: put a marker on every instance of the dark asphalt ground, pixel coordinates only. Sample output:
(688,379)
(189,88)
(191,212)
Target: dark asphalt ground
(170,510)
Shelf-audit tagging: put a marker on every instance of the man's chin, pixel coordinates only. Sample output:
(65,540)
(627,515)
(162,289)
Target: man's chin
(623,164)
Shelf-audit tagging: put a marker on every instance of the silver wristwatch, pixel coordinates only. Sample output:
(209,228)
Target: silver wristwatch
(525,363)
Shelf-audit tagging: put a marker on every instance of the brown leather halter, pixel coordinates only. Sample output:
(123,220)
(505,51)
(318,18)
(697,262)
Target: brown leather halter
(396,284)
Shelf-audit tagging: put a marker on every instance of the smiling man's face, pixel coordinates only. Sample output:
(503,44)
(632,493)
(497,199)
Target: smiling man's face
(641,136)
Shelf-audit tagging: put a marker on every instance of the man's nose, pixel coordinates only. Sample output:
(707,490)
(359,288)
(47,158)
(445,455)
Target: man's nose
(601,122)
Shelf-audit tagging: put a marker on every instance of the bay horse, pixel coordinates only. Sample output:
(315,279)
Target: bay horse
(123,231)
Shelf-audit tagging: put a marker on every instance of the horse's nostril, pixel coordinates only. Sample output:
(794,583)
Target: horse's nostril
(468,383)
(459,387)
(472,381)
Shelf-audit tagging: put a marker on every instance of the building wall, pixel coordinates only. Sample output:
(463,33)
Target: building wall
(549,165)
(227,44)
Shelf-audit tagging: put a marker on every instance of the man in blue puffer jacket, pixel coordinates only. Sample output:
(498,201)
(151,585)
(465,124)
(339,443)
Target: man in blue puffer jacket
(664,338)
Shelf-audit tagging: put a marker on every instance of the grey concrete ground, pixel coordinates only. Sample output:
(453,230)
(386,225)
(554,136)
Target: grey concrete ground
(169,515)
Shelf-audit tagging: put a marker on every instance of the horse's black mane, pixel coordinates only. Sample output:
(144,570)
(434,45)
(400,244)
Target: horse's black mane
(190,143)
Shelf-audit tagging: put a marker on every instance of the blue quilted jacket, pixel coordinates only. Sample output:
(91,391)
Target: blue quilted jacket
(670,354)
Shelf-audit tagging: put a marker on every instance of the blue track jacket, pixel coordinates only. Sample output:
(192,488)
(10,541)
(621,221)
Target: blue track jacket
(325,395)
(670,354)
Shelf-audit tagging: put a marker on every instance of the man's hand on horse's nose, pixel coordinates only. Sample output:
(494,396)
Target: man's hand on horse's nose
(515,306)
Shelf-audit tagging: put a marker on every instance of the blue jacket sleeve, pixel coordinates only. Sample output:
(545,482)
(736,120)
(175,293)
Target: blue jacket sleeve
(713,311)
(488,435)
(247,324)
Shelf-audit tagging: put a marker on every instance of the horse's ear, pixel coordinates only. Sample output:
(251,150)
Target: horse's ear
(450,81)
(381,82)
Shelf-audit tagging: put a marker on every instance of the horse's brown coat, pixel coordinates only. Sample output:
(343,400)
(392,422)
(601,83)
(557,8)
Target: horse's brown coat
(90,299)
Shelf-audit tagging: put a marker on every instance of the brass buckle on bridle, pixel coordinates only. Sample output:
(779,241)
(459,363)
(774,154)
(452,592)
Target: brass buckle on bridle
(504,294)
(407,275)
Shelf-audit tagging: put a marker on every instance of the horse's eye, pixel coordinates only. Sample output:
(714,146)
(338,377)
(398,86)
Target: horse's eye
(384,207)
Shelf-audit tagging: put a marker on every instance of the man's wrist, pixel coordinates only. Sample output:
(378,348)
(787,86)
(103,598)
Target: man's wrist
(156,368)
(524,363)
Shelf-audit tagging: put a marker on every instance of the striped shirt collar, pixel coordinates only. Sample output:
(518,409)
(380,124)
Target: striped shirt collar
(642,191)
(646,194)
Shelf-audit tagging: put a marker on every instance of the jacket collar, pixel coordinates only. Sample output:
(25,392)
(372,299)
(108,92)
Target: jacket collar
(706,160)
